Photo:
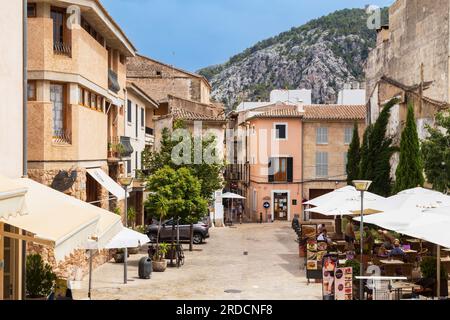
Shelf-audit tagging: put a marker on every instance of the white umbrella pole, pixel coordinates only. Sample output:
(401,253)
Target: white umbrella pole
(125,259)
(438,269)
(90,274)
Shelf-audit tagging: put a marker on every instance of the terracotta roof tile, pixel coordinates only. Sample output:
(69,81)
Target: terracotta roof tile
(335,112)
(280,113)
(182,114)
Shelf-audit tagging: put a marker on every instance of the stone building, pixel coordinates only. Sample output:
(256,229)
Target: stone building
(285,154)
(411,62)
(76,93)
(327,134)
(181,95)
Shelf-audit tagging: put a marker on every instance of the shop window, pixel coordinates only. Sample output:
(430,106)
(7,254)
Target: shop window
(322,136)
(281,170)
(129,115)
(31,90)
(281,131)
(348,135)
(31,10)
(321,164)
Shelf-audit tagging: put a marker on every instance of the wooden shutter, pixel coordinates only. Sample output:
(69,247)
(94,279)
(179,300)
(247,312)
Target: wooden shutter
(271,169)
(290,169)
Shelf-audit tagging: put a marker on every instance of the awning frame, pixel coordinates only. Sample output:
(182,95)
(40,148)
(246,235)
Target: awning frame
(24,237)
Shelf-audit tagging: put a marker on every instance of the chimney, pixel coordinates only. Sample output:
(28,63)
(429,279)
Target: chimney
(299,104)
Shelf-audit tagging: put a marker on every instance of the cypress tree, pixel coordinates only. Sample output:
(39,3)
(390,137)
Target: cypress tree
(354,157)
(380,150)
(365,163)
(409,172)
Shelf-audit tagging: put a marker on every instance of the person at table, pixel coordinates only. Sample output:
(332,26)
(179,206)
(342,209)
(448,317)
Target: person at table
(323,237)
(350,236)
(388,239)
(320,228)
(369,241)
(383,252)
(397,251)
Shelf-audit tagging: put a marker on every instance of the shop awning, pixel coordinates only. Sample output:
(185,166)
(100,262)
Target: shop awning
(58,219)
(12,198)
(109,184)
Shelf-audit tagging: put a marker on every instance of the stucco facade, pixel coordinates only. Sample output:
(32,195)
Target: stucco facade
(76,94)
(11,139)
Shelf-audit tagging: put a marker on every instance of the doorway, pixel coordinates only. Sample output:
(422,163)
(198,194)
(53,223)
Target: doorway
(280,206)
(10,266)
(92,191)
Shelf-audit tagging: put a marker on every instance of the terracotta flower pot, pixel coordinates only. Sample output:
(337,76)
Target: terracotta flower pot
(159,266)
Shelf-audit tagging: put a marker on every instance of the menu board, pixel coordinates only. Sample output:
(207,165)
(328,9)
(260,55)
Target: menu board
(344,284)
(329,267)
(309,231)
(315,253)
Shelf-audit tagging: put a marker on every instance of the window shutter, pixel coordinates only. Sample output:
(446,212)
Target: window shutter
(271,170)
(290,169)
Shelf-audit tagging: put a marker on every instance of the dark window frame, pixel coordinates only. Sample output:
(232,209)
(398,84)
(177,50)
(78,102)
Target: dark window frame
(33,7)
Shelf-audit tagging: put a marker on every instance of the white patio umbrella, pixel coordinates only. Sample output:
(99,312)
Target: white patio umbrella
(127,238)
(232,196)
(349,203)
(330,197)
(432,225)
(400,210)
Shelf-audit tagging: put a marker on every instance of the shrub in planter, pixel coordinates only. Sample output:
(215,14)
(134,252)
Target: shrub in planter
(40,277)
(428,267)
(159,262)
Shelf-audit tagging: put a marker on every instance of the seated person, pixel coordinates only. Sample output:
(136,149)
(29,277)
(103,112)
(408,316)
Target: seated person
(383,252)
(397,251)
(323,237)
(388,239)
(295,222)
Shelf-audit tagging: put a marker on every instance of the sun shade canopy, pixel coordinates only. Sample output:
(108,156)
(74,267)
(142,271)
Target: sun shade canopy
(12,198)
(109,184)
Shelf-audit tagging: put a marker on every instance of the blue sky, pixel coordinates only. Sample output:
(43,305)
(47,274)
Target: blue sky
(192,34)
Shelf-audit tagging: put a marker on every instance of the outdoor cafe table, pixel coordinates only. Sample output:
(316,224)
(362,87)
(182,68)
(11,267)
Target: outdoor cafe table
(391,262)
(382,278)
(400,286)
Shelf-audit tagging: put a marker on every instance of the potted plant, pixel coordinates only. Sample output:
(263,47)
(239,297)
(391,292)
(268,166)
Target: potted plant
(429,274)
(40,278)
(159,262)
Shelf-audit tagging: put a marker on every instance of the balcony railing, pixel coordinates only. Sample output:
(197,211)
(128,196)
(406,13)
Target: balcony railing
(62,136)
(62,48)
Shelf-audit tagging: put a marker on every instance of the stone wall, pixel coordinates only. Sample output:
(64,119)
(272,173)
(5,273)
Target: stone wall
(78,189)
(75,266)
(418,33)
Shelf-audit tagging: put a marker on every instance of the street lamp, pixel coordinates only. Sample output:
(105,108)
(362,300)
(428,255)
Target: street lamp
(362,186)
(125,182)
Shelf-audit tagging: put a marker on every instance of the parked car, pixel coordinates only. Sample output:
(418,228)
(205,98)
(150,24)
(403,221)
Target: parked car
(201,231)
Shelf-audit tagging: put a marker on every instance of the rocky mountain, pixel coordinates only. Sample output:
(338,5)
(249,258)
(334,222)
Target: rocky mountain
(322,55)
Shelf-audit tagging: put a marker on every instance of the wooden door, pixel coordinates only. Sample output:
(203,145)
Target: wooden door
(281,206)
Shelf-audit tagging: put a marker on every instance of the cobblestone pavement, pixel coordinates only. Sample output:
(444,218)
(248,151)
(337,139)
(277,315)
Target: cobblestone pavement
(270,270)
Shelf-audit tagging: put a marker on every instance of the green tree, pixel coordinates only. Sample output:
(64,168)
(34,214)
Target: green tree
(209,173)
(377,166)
(364,159)
(354,157)
(180,192)
(436,154)
(409,172)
